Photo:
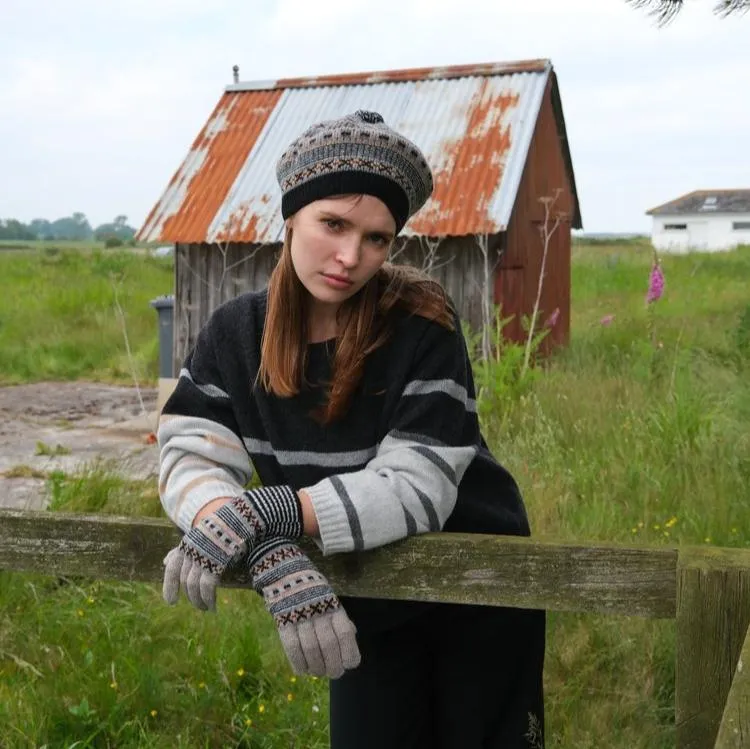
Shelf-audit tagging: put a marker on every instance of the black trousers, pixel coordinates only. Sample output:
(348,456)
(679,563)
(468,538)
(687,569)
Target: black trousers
(459,677)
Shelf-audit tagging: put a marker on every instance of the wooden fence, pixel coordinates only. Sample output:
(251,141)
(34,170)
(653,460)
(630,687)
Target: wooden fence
(705,589)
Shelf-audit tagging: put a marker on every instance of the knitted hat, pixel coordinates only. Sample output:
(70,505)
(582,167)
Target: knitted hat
(357,154)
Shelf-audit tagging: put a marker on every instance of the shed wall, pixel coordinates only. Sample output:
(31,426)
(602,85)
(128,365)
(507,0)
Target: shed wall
(206,278)
(518,277)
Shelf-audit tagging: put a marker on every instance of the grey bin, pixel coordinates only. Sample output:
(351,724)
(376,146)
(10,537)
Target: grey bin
(164,306)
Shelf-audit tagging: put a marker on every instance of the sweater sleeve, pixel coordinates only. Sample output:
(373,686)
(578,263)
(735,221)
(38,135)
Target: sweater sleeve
(202,456)
(411,484)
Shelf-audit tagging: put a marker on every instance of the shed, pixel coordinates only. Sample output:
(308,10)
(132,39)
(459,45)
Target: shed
(709,220)
(494,135)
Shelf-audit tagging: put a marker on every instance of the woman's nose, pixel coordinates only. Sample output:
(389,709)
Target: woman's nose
(348,253)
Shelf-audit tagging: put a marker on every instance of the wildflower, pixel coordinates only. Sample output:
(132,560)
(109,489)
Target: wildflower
(261,708)
(202,685)
(551,321)
(606,320)
(655,283)
(293,679)
(80,613)
(640,525)
(634,530)
(315,709)
(90,600)
(289,697)
(666,534)
(113,685)
(240,672)
(707,539)
(670,522)
(154,713)
(657,526)
(248,722)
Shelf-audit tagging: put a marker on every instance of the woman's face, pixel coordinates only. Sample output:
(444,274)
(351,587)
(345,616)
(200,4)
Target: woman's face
(338,244)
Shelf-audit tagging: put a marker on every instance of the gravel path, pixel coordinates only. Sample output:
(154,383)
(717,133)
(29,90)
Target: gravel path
(88,421)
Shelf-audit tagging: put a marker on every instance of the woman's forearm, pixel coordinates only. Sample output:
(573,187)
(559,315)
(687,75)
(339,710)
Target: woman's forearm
(309,519)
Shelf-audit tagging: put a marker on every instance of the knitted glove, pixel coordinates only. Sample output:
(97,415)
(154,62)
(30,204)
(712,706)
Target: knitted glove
(316,633)
(220,539)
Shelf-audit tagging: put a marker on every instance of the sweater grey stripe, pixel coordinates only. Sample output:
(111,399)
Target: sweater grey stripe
(346,458)
(210,390)
(447,387)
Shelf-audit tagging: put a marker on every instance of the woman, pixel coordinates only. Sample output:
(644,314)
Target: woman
(348,385)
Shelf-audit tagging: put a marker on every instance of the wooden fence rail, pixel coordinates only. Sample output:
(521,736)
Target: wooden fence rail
(705,589)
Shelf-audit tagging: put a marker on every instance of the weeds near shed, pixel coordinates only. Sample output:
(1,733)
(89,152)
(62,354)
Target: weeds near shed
(546,231)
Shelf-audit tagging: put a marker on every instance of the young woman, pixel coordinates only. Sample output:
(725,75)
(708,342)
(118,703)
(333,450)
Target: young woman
(347,384)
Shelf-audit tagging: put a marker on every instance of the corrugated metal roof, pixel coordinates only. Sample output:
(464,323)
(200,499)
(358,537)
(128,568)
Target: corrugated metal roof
(706,201)
(474,124)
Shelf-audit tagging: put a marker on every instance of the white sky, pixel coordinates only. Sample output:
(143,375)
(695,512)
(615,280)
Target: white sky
(100,101)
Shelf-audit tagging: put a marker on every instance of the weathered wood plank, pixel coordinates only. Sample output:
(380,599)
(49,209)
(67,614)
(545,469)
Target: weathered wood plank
(458,568)
(713,612)
(734,731)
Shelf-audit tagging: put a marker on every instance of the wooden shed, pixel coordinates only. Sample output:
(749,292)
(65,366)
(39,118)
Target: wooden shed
(494,135)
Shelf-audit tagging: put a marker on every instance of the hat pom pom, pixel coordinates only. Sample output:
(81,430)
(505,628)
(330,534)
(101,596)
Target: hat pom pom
(371,117)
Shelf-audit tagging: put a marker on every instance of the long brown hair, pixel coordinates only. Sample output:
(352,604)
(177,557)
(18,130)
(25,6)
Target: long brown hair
(364,324)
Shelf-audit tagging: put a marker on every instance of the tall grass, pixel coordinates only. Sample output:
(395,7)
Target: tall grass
(623,436)
(59,320)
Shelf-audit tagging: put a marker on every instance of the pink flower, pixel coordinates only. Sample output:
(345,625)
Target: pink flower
(552,319)
(655,283)
(607,320)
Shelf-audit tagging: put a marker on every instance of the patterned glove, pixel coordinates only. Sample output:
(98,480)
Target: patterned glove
(316,633)
(220,540)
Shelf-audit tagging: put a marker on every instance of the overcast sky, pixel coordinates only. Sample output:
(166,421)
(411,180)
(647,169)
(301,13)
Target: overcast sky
(100,101)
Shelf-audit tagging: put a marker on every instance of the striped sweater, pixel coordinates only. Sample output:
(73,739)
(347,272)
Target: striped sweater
(408,457)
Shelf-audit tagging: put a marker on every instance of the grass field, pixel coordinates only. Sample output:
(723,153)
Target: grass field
(636,433)
(60,314)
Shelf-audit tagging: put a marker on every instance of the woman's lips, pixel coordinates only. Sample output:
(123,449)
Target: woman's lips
(338,282)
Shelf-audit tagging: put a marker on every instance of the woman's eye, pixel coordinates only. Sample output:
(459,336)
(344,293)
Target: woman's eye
(333,223)
(379,240)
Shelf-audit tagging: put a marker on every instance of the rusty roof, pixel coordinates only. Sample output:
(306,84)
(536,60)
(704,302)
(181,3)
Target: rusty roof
(705,201)
(473,122)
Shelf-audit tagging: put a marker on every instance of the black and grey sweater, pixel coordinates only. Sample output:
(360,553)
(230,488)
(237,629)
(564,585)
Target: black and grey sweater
(407,458)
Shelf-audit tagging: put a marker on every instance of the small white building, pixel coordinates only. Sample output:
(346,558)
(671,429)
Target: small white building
(702,220)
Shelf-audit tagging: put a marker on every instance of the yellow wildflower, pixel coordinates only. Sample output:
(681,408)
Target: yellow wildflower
(240,672)
(293,679)
(656,526)
(80,613)
(670,522)
(261,708)
(248,722)
(113,685)
(202,685)
(707,539)
(89,600)
(289,697)
(154,713)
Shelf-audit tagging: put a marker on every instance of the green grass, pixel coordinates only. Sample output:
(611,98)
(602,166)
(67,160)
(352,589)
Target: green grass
(636,433)
(59,318)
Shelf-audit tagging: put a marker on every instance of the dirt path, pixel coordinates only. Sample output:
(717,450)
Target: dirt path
(86,420)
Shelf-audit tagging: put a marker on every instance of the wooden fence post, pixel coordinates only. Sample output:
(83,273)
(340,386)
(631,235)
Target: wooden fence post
(713,612)
(734,732)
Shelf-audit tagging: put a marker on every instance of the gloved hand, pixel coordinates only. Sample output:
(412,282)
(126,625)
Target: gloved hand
(316,633)
(222,538)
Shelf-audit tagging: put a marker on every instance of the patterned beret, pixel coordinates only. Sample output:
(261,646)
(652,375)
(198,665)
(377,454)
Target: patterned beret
(357,154)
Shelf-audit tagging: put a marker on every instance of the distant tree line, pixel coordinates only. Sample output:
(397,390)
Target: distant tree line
(75,227)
